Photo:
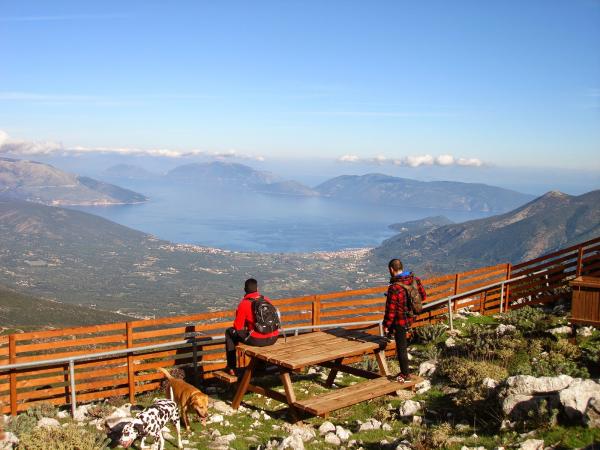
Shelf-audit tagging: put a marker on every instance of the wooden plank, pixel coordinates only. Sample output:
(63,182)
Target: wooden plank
(12,346)
(68,332)
(224,376)
(243,385)
(360,392)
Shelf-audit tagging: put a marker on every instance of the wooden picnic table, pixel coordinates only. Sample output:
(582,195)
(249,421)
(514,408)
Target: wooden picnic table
(320,348)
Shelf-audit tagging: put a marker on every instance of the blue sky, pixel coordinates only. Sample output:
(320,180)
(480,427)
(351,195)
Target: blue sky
(506,83)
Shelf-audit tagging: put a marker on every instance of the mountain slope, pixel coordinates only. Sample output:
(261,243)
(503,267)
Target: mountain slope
(42,183)
(80,258)
(450,195)
(19,310)
(545,224)
(235,176)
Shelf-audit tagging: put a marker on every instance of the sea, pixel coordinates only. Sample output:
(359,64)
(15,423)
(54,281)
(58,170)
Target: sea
(252,222)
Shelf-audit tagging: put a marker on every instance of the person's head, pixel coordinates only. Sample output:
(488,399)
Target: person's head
(395,266)
(250,286)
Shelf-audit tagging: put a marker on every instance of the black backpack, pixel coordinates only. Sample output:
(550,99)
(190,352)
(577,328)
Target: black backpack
(266,316)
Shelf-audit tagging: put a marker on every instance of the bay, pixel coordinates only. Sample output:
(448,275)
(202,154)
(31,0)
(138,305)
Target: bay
(248,221)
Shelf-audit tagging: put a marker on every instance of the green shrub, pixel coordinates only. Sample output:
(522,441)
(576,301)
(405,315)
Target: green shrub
(431,352)
(21,424)
(542,417)
(526,319)
(565,348)
(553,363)
(42,409)
(465,372)
(440,434)
(100,411)
(519,364)
(430,333)
(64,438)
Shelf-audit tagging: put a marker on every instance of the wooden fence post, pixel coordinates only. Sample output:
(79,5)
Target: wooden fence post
(316,311)
(456,288)
(579,261)
(507,288)
(482,300)
(130,369)
(12,359)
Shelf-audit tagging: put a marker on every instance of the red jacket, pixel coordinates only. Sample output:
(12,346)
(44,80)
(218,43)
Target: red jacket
(244,318)
(396,307)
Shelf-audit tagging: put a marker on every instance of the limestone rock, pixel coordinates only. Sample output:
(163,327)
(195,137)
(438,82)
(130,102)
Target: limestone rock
(423,386)
(427,368)
(342,433)
(332,438)
(489,383)
(450,342)
(9,440)
(386,427)
(81,412)
(292,442)
(216,418)
(532,444)
(409,408)
(592,413)
(48,422)
(585,331)
(576,397)
(326,427)
(561,330)
(304,432)
(529,385)
(223,408)
(371,424)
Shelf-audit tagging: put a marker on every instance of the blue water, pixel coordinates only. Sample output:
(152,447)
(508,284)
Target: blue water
(245,221)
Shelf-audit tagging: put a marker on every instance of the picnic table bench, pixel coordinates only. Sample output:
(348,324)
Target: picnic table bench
(327,349)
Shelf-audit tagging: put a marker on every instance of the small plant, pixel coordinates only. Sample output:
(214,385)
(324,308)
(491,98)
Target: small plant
(431,352)
(466,372)
(21,424)
(64,438)
(42,409)
(526,319)
(542,416)
(430,333)
(440,434)
(100,411)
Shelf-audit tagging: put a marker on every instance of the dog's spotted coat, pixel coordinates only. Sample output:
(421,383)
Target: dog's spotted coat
(150,422)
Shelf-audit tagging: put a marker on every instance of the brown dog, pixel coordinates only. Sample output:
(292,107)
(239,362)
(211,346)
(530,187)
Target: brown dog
(187,397)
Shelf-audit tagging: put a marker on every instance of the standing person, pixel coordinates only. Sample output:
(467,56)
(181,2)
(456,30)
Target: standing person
(399,314)
(245,327)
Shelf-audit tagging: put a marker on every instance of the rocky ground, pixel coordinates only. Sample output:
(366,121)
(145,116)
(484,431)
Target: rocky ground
(522,380)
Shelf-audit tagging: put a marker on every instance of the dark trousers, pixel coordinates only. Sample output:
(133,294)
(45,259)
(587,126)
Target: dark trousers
(234,337)
(402,348)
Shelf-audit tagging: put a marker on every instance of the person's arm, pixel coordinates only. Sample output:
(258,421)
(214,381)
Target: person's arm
(390,309)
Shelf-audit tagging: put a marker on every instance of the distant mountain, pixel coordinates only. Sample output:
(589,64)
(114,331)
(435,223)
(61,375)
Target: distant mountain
(128,171)
(41,183)
(449,195)
(547,223)
(421,225)
(23,311)
(237,176)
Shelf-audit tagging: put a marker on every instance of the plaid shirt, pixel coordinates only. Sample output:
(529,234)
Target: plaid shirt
(397,311)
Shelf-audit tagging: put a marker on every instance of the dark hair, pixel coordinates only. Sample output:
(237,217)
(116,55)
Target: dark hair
(396,265)
(250,286)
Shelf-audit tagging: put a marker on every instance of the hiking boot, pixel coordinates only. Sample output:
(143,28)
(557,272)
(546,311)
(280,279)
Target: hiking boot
(401,378)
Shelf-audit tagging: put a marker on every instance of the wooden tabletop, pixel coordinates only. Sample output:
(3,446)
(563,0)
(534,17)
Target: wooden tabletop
(309,349)
(586,281)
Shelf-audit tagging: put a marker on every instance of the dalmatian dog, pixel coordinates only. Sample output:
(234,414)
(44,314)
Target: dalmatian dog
(150,422)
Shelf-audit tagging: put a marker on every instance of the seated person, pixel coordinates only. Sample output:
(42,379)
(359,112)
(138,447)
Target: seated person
(244,326)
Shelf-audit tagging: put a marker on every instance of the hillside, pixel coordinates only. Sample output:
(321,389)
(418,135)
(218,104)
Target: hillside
(225,175)
(448,195)
(545,224)
(25,312)
(81,258)
(41,183)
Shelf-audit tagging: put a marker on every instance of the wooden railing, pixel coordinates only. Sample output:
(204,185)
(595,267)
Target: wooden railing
(135,372)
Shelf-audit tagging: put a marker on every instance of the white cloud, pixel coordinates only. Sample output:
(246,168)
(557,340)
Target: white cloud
(46,148)
(414,160)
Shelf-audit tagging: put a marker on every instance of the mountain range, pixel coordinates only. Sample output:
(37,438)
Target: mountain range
(548,223)
(449,195)
(42,183)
